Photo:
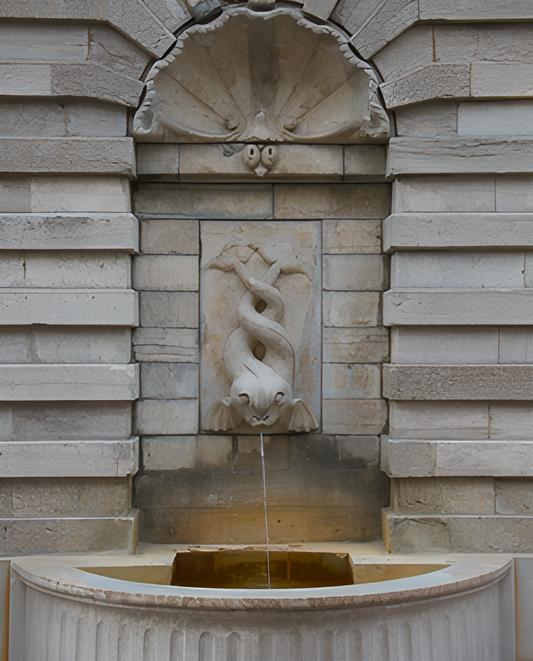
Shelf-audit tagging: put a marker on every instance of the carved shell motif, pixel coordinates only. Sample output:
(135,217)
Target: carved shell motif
(261,76)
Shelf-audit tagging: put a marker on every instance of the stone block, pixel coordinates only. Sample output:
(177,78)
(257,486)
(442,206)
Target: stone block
(213,452)
(354,417)
(158,159)
(516,345)
(323,201)
(365,161)
(163,236)
(447,345)
(355,345)
(428,269)
(410,50)
(43,42)
(53,344)
(446,495)
(514,194)
(25,79)
(69,307)
(51,459)
(445,193)
(512,496)
(341,237)
(501,79)
(157,417)
(510,421)
(71,497)
(428,119)
(208,162)
(358,451)
(165,345)
(420,155)
(386,22)
(51,118)
(172,13)
(169,381)
(69,232)
(249,201)
(320,8)
(434,81)
(106,156)
(135,19)
(78,194)
(72,270)
(476,11)
(169,310)
(494,458)
(437,420)
(458,382)
(459,307)
(351,308)
(68,534)
(412,458)
(457,230)
(168,453)
(166,273)
(15,194)
(48,421)
(341,381)
(112,50)
(495,118)
(354,272)
(417,533)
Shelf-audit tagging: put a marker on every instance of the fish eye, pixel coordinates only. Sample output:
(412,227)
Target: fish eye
(279,397)
(245,399)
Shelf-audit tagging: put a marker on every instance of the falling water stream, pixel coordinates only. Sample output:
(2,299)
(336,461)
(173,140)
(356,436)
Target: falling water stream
(265,508)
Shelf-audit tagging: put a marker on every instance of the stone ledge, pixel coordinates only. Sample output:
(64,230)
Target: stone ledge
(412,231)
(60,459)
(419,533)
(76,231)
(448,458)
(103,156)
(68,534)
(479,10)
(462,155)
(40,383)
(69,307)
(454,382)
(458,307)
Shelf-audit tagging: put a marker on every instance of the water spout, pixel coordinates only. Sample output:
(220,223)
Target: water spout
(265,508)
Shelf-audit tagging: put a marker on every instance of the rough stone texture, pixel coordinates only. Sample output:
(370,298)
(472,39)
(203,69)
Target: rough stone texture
(446,194)
(457,307)
(443,496)
(354,416)
(351,236)
(428,119)
(170,237)
(362,161)
(169,310)
(353,272)
(351,309)
(437,420)
(169,381)
(495,118)
(512,496)
(478,11)
(69,307)
(165,273)
(457,230)
(168,453)
(166,345)
(410,51)
(60,459)
(157,417)
(355,345)
(69,231)
(351,381)
(386,22)
(155,159)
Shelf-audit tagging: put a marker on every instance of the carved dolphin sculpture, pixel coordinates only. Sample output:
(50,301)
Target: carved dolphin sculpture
(261,389)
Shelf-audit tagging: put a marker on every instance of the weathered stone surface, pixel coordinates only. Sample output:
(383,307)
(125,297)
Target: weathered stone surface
(510,421)
(67,535)
(156,417)
(169,453)
(353,272)
(501,79)
(155,159)
(362,161)
(166,273)
(71,497)
(53,344)
(353,13)
(214,452)
(443,496)
(466,155)
(68,458)
(515,345)
(77,194)
(15,194)
(205,201)
(351,308)
(169,381)
(105,270)
(67,155)
(434,81)
(457,230)
(514,194)
(110,49)
(25,383)
(163,236)
(38,41)
(512,496)
(428,269)
(69,307)
(178,345)
(386,22)
(437,420)
(332,201)
(169,310)
(410,50)
(495,118)
(433,118)
(65,421)
(47,231)
(448,345)
(351,236)
(445,193)
(477,11)
(320,8)
(354,417)
(355,345)
(457,307)
(351,381)
(412,458)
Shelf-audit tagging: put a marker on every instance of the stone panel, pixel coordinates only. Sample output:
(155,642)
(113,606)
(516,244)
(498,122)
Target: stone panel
(428,119)
(169,381)
(167,310)
(437,420)
(355,345)
(354,416)
(166,273)
(341,381)
(353,272)
(345,309)
(163,236)
(495,118)
(443,496)
(447,345)
(166,345)
(348,237)
(158,417)
(445,193)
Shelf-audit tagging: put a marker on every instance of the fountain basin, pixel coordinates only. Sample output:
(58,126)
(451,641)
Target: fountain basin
(462,611)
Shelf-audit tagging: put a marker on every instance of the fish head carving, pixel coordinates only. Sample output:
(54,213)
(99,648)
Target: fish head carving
(260,402)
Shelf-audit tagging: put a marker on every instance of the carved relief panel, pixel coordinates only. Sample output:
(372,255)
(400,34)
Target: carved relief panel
(260,326)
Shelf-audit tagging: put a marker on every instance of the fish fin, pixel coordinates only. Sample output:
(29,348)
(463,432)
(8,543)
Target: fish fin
(302,418)
(219,418)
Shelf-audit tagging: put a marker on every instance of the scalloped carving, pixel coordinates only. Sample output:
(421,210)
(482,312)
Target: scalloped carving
(259,77)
